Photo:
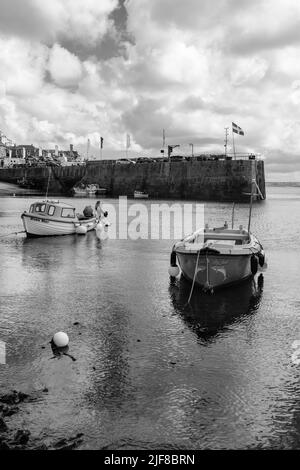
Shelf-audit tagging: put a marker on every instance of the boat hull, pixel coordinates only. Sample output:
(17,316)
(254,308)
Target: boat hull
(42,227)
(215,271)
(141,196)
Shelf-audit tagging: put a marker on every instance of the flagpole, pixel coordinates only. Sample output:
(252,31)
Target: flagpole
(226,140)
(233,143)
(87,149)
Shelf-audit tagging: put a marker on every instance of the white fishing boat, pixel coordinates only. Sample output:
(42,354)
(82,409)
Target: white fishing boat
(46,218)
(79,191)
(88,190)
(92,189)
(140,195)
(218,257)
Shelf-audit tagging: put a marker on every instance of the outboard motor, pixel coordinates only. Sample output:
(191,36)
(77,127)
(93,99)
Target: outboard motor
(88,212)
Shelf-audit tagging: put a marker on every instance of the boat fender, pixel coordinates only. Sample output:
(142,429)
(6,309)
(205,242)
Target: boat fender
(173,259)
(261,258)
(81,230)
(254,264)
(173,269)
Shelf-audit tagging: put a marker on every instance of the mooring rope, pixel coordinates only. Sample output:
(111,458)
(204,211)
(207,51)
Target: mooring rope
(195,273)
(12,233)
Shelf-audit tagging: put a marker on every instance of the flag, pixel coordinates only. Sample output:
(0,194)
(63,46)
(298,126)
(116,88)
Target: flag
(164,138)
(101,142)
(127,141)
(237,129)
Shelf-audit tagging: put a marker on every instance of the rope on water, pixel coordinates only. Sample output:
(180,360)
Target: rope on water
(195,273)
(12,233)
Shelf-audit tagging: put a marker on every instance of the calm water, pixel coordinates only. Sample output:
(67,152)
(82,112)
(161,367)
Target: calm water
(150,372)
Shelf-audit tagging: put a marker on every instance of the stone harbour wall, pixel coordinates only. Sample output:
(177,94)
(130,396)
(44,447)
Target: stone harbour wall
(210,180)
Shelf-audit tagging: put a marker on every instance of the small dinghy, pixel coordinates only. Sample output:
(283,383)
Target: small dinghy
(218,257)
(140,195)
(46,218)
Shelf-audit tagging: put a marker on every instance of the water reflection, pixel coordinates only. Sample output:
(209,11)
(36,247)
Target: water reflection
(208,315)
(43,252)
(110,379)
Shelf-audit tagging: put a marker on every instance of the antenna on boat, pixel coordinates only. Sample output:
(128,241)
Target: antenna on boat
(251,204)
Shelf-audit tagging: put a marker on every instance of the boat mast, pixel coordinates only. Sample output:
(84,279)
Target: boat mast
(251,204)
(49,169)
(232,215)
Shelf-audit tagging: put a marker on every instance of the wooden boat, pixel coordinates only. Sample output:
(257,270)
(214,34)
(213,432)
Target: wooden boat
(218,257)
(140,195)
(46,218)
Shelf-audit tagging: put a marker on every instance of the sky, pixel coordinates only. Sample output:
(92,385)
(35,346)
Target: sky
(73,70)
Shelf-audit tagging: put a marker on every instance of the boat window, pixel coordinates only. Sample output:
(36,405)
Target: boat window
(68,212)
(51,210)
(31,208)
(40,207)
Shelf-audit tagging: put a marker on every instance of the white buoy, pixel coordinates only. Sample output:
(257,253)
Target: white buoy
(296,357)
(61,339)
(81,230)
(173,271)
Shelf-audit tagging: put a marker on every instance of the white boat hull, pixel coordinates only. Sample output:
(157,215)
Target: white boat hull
(42,227)
(141,196)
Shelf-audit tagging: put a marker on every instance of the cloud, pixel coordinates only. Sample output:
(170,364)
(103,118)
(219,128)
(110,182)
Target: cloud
(73,70)
(64,67)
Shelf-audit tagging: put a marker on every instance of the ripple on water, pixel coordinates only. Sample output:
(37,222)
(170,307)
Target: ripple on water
(150,371)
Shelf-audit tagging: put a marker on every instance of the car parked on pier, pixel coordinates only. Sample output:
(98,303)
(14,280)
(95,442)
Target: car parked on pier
(144,160)
(124,161)
(177,158)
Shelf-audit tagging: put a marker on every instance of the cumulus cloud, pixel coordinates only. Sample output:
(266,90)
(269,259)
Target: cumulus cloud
(64,67)
(73,70)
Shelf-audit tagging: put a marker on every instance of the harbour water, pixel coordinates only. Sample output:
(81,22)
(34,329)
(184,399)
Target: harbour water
(151,372)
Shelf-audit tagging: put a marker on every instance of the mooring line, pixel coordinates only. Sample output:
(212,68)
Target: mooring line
(12,233)
(194,279)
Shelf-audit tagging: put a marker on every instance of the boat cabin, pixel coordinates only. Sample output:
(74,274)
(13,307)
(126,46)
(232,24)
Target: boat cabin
(53,209)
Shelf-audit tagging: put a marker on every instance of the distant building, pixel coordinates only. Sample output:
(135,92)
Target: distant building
(24,151)
(30,155)
(62,156)
(4,154)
